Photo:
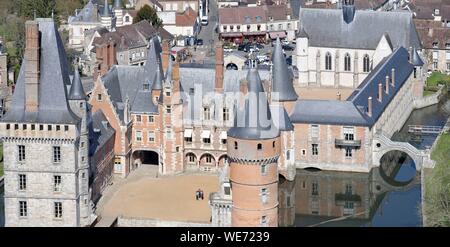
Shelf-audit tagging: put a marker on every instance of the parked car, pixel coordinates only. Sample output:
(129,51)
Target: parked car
(199,42)
(288,47)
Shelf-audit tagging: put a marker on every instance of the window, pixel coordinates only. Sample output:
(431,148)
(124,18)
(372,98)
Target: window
(348,208)
(41,127)
(348,189)
(138,136)
(151,136)
(58,127)
(82,144)
(328,61)
(315,189)
(280,26)
(258,27)
(138,118)
(188,139)
(349,133)
(117,160)
(206,113)
(208,159)
(151,119)
(191,158)
(177,149)
(248,28)
(24,126)
(207,140)
(273,144)
(23,210)
(168,109)
(348,152)
(49,127)
(314,131)
(21,154)
(191,91)
(22,182)
(226,114)
(263,169)
(231,27)
(288,154)
(347,60)
(264,195)
(315,149)
(127,19)
(223,141)
(8,126)
(366,63)
(264,221)
(168,134)
(235,145)
(99,97)
(66,128)
(259,147)
(56,154)
(167,93)
(304,152)
(58,210)
(57,183)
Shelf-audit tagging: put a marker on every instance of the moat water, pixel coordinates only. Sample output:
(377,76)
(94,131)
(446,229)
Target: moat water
(368,201)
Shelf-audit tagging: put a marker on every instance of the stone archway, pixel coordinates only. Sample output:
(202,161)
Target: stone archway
(222,160)
(231,66)
(190,159)
(145,157)
(207,162)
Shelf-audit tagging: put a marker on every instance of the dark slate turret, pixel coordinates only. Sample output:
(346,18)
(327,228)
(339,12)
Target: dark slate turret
(348,10)
(76,90)
(282,87)
(157,82)
(302,33)
(105,9)
(254,122)
(117,4)
(416,60)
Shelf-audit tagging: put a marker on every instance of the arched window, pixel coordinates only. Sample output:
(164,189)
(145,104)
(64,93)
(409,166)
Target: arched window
(235,145)
(347,64)
(273,144)
(259,146)
(328,61)
(366,63)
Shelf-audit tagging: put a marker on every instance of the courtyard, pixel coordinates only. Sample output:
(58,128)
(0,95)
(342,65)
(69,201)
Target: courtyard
(170,198)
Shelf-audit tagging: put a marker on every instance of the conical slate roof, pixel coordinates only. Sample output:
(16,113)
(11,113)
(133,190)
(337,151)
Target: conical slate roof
(302,33)
(282,88)
(157,82)
(76,90)
(105,9)
(254,122)
(416,60)
(117,4)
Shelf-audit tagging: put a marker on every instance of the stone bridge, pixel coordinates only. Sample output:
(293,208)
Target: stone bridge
(383,144)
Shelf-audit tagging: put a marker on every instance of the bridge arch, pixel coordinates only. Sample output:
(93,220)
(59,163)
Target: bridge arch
(383,145)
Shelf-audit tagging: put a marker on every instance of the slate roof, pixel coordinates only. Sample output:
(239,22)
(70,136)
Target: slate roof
(364,32)
(76,89)
(127,83)
(353,110)
(53,82)
(254,122)
(282,80)
(280,118)
(100,131)
(89,13)
(433,33)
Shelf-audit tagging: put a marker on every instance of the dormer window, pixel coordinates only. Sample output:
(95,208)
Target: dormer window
(258,18)
(436,12)
(146,87)
(435,44)
(270,18)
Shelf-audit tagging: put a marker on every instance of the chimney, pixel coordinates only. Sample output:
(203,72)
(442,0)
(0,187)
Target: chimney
(380,92)
(219,67)
(393,77)
(338,96)
(32,59)
(165,56)
(387,85)
(369,106)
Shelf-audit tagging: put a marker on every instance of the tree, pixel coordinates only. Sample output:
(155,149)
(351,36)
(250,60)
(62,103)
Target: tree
(148,13)
(41,8)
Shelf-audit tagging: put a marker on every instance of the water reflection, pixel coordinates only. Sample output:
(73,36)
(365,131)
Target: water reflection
(330,198)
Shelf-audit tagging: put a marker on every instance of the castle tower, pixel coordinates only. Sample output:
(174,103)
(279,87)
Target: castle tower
(118,12)
(302,56)
(78,105)
(171,111)
(418,63)
(106,18)
(283,91)
(253,150)
(44,140)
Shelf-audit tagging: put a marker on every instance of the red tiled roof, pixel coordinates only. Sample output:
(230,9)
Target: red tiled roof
(187,18)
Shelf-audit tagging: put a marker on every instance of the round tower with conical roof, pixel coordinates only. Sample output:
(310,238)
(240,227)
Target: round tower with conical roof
(253,151)
(118,12)
(106,18)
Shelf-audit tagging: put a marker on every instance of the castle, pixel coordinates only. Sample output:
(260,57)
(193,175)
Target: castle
(251,124)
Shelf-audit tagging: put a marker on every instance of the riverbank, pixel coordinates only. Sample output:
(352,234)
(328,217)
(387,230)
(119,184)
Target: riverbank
(436,198)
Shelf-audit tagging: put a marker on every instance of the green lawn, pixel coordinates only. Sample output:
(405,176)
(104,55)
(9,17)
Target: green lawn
(436,78)
(428,92)
(437,185)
